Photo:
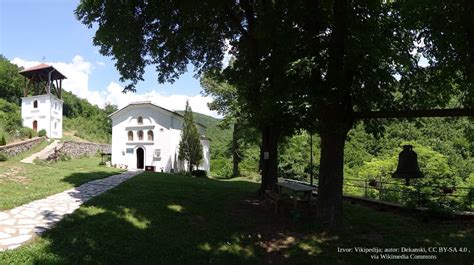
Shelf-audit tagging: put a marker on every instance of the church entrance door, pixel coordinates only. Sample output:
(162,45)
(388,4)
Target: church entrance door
(140,158)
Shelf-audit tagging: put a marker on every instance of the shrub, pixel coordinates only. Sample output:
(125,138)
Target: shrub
(439,211)
(26,132)
(64,157)
(2,140)
(3,157)
(42,133)
(199,173)
(101,163)
(221,168)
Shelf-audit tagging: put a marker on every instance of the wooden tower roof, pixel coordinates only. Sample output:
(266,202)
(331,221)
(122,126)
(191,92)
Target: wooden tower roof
(42,79)
(41,72)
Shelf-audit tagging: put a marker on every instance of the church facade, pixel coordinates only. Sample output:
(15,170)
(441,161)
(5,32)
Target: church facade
(147,136)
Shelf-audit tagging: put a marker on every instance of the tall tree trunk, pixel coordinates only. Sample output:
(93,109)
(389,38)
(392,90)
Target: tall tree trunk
(235,151)
(331,171)
(269,153)
(335,124)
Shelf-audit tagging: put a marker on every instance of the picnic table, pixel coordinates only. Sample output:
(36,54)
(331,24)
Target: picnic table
(297,188)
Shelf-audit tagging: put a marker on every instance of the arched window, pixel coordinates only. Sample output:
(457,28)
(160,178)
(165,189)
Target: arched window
(140,135)
(130,136)
(140,120)
(35,104)
(35,126)
(150,135)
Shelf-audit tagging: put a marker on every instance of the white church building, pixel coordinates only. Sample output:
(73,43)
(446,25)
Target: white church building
(41,105)
(147,136)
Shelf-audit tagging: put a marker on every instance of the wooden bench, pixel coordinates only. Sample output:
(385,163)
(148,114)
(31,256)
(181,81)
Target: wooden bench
(273,196)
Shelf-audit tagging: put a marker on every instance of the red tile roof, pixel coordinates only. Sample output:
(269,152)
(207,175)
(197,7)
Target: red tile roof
(39,66)
(41,71)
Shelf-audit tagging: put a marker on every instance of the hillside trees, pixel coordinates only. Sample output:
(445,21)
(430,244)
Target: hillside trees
(11,83)
(89,121)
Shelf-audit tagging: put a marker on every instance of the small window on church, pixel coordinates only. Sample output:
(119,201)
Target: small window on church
(35,104)
(150,135)
(140,120)
(140,135)
(130,136)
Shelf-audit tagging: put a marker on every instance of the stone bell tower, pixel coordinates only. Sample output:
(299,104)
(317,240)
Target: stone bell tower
(41,104)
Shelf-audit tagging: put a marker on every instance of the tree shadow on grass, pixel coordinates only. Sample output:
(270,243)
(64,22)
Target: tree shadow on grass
(149,222)
(80,178)
(171,219)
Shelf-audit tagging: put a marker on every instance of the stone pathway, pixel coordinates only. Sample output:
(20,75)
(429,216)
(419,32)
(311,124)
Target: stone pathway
(23,223)
(43,154)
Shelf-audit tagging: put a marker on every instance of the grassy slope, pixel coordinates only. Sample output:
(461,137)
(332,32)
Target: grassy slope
(86,129)
(157,218)
(22,183)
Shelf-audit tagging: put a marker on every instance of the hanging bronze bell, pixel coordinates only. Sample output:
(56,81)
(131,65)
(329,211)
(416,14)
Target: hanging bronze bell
(407,165)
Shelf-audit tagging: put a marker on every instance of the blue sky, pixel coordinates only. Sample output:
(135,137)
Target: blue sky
(35,31)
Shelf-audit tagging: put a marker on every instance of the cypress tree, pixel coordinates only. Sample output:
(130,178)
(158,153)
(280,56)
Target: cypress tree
(190,147)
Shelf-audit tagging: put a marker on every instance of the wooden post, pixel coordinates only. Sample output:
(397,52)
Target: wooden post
(25,90)
(60,87)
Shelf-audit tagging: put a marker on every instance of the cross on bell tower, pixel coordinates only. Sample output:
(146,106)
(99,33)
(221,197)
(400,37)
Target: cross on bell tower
(41,106)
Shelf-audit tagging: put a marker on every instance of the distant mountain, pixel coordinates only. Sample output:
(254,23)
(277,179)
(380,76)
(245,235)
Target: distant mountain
(203,119)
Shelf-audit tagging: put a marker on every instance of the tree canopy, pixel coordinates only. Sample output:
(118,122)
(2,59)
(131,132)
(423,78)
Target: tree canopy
(11,82)
(300,64)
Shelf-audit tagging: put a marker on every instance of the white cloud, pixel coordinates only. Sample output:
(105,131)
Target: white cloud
(78,70)
(100,63)
(174,102)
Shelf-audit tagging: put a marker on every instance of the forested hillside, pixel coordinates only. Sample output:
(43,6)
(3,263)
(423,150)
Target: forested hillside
(85,120)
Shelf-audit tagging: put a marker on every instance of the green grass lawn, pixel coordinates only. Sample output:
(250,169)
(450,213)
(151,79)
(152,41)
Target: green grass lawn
(157,218)
(22,183)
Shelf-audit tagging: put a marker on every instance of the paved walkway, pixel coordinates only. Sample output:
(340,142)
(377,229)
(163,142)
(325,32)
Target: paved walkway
(43,154)
(23,223)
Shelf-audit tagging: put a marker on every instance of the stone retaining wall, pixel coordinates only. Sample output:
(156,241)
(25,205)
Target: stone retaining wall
(20,147)
(77,149)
